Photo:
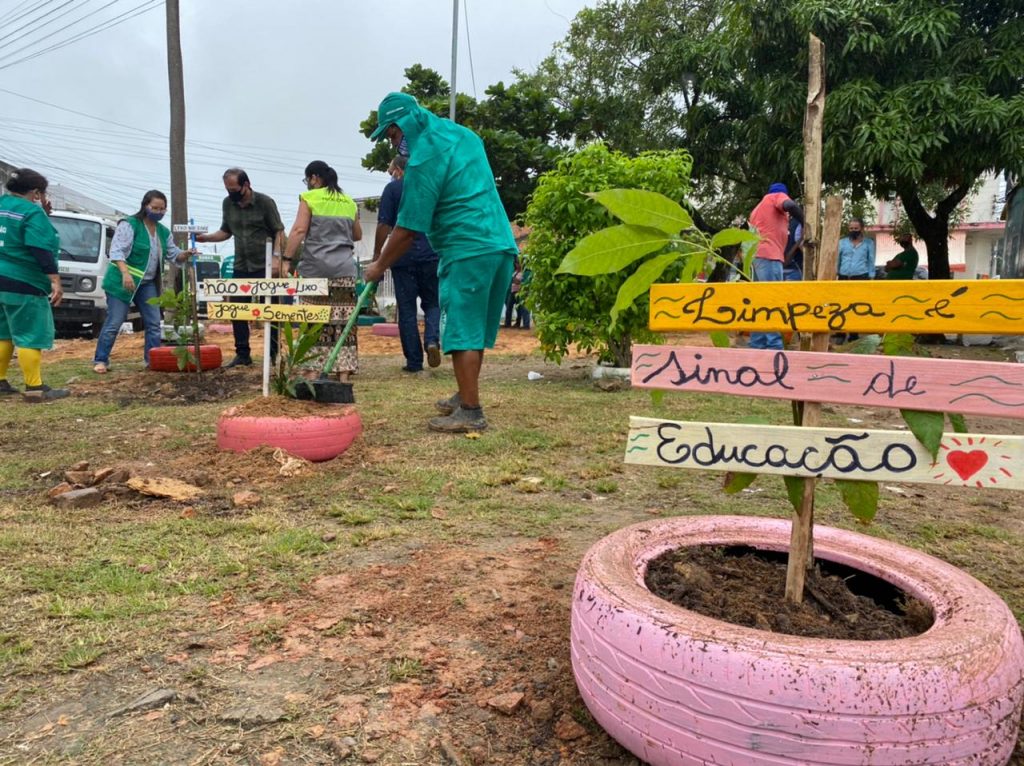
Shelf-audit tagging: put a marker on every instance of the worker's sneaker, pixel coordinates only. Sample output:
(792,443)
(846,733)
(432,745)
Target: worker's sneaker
(434,355)
(44,393)
(449,405)
(7,388)
(462,420)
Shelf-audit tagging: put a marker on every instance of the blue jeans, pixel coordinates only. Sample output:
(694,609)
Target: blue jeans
(792,274)
(418,279)
(117,314)
(767,271)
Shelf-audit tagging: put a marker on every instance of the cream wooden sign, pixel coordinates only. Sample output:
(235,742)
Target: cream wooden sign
(218,289)
(269,312)
(916,383)
(877,306)
(964,460)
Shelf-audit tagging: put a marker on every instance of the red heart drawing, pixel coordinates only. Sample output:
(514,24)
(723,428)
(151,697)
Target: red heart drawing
(290,291)
(255,312)
(966,464)
(245,288)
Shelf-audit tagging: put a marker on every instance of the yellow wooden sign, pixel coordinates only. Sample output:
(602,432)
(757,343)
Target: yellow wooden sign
(870,306)
(272,312)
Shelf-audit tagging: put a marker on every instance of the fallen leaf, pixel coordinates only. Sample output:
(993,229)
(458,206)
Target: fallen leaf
(388,488)
(176,659)
(473,435)
(63,721)
(439,513)
(315,732)
(153,715)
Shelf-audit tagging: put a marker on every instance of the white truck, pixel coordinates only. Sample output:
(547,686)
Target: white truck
(84,246)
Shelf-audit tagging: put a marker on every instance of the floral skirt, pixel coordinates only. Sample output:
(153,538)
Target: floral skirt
(341,297)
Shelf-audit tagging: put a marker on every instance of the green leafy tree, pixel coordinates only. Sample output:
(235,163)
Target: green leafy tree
(924,96)
(523,129)
(573,299)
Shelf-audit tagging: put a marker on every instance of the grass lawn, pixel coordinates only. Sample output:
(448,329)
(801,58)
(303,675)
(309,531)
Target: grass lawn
(367,609)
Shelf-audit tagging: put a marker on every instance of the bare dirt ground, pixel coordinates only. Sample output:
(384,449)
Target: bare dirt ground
(387,647)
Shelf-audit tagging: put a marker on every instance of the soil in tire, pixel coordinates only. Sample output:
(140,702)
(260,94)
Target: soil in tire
(746,587)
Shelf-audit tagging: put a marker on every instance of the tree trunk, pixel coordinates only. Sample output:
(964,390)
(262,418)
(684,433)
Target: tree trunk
(934,229)
(176,82)
(621,349)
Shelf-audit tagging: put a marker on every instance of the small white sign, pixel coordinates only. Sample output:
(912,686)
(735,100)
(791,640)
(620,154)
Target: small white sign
(185,228)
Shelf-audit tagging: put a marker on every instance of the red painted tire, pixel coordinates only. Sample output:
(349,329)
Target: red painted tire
(385,328)
(680,689)
(313,438)
(162,359)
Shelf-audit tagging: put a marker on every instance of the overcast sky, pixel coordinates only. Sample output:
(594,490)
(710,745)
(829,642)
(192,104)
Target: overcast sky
(270,85)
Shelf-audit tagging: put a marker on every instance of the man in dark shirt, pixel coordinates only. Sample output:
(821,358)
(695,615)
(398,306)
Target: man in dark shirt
(904,264)
(251,218)
(415,275)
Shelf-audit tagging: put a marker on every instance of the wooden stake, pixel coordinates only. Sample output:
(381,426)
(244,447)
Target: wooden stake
(801,542)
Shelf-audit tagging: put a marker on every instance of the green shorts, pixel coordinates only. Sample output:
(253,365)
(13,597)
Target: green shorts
(27,320)
(472,296)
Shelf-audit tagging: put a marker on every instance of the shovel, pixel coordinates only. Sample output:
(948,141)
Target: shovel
(323,389)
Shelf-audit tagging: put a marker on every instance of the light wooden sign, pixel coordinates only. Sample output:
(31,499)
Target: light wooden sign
(941,385)
(964,460)
(271,312)
(216,289)
(878,306)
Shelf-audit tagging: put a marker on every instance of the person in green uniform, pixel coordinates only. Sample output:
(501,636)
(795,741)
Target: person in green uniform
(29,283)
(449,194)
(905,262)
(133,273)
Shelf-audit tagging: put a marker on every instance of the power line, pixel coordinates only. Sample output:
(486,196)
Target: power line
(201,144)
(38,19)
(38,40)
(14,15)
(111,23)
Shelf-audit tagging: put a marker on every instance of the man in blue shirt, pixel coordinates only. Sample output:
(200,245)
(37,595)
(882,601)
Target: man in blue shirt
(415,275)
(856,257)
(856,254)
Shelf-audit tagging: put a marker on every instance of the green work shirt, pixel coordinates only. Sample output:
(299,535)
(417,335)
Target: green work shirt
(452,198)
(23,224)
(251,226)
(908,260)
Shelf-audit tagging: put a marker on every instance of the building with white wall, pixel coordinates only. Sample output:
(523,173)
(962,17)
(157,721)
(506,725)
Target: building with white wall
(975,245)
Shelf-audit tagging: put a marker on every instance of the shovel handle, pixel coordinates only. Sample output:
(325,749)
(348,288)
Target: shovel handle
(368,290)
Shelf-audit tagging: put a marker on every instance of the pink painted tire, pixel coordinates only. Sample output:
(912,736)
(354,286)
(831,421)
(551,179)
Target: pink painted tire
(313,438)
(389,329)
(677,688)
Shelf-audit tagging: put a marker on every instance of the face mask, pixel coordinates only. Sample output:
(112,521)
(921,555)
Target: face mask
(854,235)
(154,217)
(236,196)
(403,147)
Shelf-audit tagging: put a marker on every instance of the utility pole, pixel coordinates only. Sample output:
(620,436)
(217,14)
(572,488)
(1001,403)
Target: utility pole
(455,56)
(176,82)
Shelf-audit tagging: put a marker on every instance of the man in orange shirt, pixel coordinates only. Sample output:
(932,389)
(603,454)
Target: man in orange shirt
(771,220)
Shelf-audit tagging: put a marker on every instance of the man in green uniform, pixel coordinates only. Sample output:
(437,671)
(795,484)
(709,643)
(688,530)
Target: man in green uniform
(450,196)
(905,262)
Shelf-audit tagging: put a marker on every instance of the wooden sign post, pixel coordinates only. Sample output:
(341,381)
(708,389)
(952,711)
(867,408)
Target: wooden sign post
(193,285)
(216,290)
(813,376)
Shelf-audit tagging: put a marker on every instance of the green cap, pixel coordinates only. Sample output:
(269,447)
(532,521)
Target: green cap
(391,109)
